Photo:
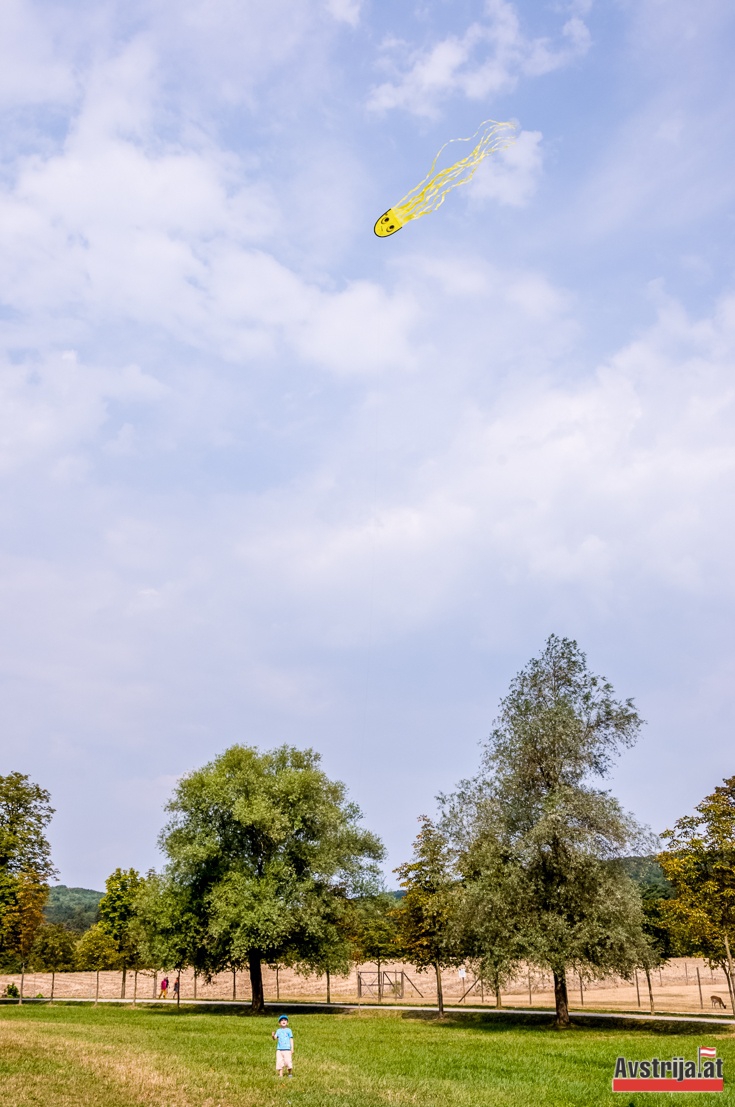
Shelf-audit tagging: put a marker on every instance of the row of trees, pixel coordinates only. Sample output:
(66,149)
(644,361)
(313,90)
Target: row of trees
(267,862)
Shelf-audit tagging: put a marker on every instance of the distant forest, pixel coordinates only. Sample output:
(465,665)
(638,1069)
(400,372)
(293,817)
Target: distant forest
(76,908)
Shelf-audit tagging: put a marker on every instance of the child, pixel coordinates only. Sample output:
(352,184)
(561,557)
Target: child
(284,1046)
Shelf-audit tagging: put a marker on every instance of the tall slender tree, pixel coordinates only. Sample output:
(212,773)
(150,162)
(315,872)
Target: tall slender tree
(560,728)
(426,914)
(117,916)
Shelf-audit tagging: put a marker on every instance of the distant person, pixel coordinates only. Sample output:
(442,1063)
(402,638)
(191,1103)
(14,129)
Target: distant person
(284,1046)
(176,988)
(164,988)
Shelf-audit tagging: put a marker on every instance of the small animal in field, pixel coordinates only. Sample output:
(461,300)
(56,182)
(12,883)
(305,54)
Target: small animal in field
(717,1002)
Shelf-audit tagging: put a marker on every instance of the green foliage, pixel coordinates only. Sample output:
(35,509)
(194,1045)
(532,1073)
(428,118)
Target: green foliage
(654,890)
(25,812)
(74,908)
(426,913)
(53,949)
(699,862)
(557,836)
(373,928)
(24,896)
(486,926)
(25,865)
(96,950)
(263,847)
(11,991)
(117,913)
(167,928)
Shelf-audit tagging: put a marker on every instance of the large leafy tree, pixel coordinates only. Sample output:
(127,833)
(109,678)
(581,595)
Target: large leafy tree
(261,844)
(25,812)
(426,914)
(559,729)
(25,864)
(117,916)
(699,862)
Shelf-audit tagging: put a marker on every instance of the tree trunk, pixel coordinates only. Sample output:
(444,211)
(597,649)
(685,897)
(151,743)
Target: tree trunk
(97,988)
(731,974)
(195,983)
(257,1005)
(155,985)
(135,987)
(581,990)
(439,991)
(178,989)
(22,981)
(561,1000)
(637,988)
(124,981)
(234,985)
(380,983)
(730,988)
(278,986)
(498,998)
(650,989)
(53,981)
(329,990)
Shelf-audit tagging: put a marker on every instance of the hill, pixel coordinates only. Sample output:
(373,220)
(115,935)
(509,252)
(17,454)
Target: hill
(74,907)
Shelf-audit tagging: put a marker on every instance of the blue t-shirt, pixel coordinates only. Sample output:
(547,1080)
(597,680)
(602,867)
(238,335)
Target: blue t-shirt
(284,1034)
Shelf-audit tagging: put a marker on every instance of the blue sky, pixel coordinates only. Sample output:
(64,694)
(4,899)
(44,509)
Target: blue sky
(266,478)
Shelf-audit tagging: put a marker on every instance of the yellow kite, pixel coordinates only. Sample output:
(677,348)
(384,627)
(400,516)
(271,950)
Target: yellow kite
(432,191)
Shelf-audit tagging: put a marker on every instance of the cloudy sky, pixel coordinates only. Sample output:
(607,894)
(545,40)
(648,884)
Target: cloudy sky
(266,478)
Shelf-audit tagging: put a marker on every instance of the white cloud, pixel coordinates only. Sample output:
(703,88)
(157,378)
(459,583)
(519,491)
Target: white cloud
(34,66)
(345,11)
(489,58)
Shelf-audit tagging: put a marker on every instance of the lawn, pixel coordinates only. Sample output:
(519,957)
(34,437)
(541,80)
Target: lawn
(81,1056)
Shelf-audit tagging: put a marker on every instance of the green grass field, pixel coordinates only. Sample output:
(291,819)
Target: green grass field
(81,1056)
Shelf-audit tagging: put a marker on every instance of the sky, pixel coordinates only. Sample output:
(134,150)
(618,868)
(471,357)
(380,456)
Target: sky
(266,478)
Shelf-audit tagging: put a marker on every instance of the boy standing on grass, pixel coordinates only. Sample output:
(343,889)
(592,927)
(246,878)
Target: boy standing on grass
(284,1046)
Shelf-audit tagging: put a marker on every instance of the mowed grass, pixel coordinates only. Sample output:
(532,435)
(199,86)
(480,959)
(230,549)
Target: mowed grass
(81,1056)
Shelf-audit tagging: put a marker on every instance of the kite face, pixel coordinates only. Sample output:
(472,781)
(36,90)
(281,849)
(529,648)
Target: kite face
(430,194)
(387,224)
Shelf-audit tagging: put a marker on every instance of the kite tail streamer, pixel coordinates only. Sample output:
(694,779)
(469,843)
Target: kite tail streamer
(432,191)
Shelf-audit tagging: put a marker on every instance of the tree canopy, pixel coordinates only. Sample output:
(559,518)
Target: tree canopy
(558,837)
(262,844)
(699,862)
(426,913)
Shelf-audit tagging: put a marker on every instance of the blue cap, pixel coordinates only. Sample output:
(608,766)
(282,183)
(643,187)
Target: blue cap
(282,1017)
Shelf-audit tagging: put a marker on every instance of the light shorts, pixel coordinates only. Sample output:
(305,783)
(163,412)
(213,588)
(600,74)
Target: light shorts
(284,1059)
